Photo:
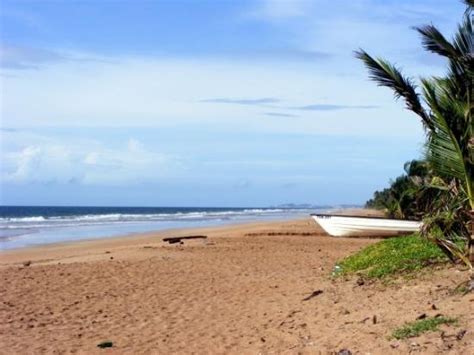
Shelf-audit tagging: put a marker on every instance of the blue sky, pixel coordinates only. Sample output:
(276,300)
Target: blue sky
(206,103)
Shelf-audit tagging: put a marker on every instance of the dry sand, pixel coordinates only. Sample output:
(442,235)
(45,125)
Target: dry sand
(233,293)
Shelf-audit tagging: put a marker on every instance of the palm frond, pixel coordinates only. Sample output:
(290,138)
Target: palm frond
(434,41)
(456,80)
(386,74)
(443,148)
(463,39)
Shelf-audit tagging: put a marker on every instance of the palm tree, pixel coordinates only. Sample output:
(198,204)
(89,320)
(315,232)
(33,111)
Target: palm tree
(445,107)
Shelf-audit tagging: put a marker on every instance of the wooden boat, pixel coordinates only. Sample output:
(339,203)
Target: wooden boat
(357,226)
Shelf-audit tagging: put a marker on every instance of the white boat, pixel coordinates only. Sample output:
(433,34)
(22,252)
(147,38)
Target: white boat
(355,226)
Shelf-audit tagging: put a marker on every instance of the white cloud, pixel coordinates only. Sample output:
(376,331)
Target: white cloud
(47,160)
(41,163)
(143,92)
(95,91)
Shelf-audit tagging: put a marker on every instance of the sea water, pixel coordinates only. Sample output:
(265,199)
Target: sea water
(22,226)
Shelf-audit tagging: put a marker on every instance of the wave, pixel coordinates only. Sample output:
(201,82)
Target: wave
(24,219)
(112,218)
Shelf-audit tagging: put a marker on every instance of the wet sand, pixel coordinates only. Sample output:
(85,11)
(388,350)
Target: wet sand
(245,289)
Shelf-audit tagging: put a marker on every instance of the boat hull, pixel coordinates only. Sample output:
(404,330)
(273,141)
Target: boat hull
(353,226)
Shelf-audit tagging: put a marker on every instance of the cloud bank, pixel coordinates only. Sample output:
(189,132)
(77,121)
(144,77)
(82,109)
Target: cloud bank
(46,160)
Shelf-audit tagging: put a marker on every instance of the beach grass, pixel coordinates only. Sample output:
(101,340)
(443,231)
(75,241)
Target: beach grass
(391,257)
(414,329)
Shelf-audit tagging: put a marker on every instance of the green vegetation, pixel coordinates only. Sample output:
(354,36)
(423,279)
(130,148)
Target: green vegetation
(392,257)
(444,194)
(414,329)
(407,196)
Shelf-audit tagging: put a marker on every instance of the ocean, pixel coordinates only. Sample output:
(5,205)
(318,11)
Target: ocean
(23,226)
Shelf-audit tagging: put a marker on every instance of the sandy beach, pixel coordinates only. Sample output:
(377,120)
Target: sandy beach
(244,289)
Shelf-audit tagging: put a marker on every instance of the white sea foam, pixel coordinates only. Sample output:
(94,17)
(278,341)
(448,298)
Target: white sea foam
(56,221)
(23,219)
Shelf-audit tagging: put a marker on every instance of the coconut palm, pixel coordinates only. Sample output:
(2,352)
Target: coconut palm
(445,106)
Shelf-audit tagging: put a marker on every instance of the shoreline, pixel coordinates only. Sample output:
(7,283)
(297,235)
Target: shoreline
(36,253)
(179,230)
(57,225)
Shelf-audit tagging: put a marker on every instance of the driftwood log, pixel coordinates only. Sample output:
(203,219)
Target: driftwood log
(174,240)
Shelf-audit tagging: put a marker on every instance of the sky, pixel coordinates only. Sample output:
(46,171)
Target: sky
(206,103)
